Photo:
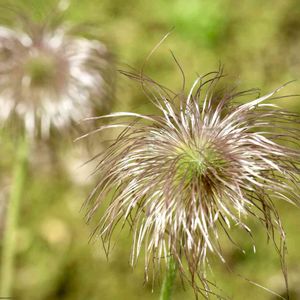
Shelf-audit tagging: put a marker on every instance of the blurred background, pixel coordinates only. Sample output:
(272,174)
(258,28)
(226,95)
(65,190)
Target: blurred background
(257,41)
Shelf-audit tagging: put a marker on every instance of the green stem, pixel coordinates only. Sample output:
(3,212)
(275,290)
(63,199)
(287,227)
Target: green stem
(167,287)
(9,239)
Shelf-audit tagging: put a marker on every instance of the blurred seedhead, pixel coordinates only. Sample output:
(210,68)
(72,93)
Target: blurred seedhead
(184,177)
(51,75)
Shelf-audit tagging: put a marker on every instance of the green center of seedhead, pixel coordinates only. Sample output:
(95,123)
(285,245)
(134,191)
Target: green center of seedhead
(195,161)
(42,70)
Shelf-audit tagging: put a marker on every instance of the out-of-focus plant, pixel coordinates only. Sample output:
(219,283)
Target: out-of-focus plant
(183,177)
(50,78)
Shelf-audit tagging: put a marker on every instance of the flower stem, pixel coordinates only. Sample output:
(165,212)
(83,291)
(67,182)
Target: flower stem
(9,238)
(168,283)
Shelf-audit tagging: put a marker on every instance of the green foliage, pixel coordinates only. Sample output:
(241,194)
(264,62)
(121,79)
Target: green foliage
(256,40)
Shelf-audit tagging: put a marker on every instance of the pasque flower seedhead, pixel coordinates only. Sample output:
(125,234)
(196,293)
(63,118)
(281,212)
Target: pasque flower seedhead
(50,76)
(183,177)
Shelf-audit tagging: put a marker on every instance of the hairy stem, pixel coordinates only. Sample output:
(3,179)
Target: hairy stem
(167,287)
(9,239)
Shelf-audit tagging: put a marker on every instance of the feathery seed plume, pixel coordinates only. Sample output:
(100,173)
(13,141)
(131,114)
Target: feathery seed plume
(184,177)
(49,76)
